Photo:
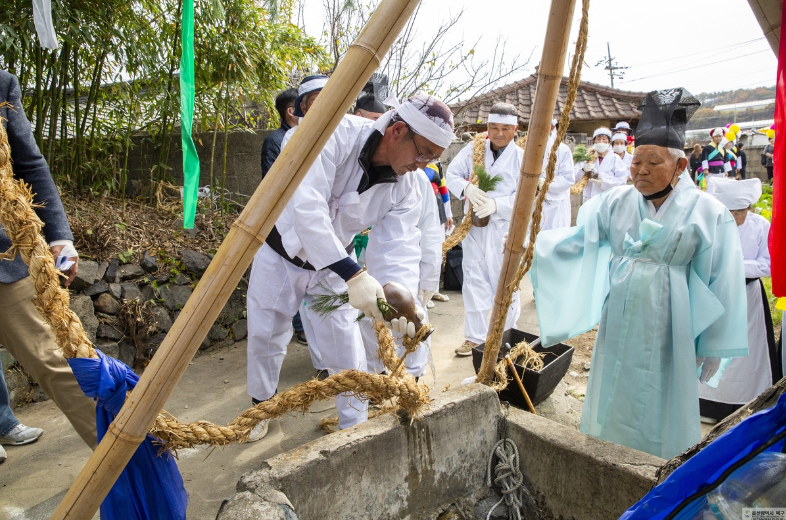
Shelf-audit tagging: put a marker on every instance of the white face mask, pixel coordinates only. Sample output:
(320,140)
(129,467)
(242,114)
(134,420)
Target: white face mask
(601,147)
(619,148)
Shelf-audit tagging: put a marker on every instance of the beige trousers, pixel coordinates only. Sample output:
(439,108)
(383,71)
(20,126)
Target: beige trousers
(30,340)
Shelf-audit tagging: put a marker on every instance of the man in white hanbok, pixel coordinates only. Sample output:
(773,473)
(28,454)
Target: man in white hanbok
(556,207)
(364,176)
(609,170)
(482,262)
(659,266)
(747,377)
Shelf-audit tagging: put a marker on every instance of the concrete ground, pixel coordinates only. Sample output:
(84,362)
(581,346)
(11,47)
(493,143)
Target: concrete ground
(35,477)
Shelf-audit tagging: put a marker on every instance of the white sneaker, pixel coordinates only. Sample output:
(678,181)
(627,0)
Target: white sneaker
(20,435)
(2,455)
(430,305)
(708,420)
(259,431)
(440,297)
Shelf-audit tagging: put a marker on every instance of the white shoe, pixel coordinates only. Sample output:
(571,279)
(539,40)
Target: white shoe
(708,420)
(21,435)
(259,431)
(440,297)
(430,305)
(2,455)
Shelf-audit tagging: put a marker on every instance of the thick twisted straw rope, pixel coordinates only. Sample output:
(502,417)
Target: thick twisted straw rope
(531,359)
(495,338)
(23,227)
(410,396)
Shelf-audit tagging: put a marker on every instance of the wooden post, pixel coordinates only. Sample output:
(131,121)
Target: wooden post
(552,65)
(222,276)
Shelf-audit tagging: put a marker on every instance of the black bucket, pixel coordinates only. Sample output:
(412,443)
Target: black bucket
(538,384)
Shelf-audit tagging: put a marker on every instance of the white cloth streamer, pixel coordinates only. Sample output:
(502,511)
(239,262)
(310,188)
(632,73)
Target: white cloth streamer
(42,17)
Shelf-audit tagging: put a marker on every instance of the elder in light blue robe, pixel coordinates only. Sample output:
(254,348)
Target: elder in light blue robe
(666,283)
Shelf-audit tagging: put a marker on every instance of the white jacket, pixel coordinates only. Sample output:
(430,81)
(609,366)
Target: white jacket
(326,211)
(559,189)
(507,166)
(611,171)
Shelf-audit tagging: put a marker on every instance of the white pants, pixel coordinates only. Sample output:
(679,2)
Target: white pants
(306,316)
(275,292)
(556,214)
(482,264)
(416,362)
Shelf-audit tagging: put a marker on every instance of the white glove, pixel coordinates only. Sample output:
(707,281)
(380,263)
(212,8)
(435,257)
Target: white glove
(475,195)
(486,209)
(596,182)
(363,291)
(505,240)
(589,167)
(541,182)
(402,326)
(709,366)
(425,296)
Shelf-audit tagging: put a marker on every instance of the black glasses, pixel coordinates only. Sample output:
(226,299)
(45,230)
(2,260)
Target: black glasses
(421,157)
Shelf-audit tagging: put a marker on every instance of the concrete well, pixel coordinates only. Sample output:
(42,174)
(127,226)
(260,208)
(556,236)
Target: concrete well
(391,468)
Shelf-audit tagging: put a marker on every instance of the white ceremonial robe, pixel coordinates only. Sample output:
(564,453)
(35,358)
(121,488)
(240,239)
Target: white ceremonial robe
(666,286)
(316,226)
(426,276)
(556,206)
(627,159)
(611,171)
(482,261)
(747,377)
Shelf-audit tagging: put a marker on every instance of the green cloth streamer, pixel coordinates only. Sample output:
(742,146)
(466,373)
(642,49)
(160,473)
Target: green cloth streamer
(190,157)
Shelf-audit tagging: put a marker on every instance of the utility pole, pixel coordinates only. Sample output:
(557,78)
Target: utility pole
(611,66)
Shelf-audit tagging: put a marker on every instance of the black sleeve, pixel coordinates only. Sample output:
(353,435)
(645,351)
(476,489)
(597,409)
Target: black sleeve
(270,151)
(29,166)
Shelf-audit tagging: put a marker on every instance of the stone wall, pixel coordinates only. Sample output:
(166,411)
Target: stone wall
(435,467)
(244,155)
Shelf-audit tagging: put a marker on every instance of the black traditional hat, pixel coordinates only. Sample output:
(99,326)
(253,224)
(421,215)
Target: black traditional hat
(664,116)
(373,94)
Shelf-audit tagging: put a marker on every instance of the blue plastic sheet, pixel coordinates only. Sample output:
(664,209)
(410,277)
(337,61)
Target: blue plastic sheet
(705,467)
(150,487)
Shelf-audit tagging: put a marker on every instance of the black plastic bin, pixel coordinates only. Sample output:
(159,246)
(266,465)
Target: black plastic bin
(539,385)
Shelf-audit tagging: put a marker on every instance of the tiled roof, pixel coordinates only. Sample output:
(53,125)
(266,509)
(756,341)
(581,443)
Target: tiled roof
(593,102)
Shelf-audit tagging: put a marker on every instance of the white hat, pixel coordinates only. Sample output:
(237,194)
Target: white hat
(735,194)
(619,136)
(602,131)
(426,115)
(623,125)
(720,130)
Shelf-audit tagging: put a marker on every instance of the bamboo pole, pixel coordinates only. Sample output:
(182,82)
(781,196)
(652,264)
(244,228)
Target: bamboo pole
(222,276)
(552,65)
(520,383)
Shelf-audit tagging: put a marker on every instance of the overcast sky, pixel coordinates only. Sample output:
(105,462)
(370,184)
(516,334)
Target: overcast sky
(704,46)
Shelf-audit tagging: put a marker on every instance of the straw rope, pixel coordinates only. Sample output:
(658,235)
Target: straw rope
(495,338)
(532,359)
(23,227)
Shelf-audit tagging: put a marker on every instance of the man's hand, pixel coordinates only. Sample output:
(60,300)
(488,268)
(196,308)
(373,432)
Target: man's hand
(425,296)
(596,181)
(475,195)
(449,224)
(364,291)
(71,272)
(404,327)
(709,366)
(486,209)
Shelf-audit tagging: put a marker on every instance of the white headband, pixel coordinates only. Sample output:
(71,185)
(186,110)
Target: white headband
(602,131)
(420,122)
(311,85)
(619,136)
(503,119)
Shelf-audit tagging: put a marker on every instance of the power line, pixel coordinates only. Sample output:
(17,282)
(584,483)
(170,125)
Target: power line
(697,66)
(728,47)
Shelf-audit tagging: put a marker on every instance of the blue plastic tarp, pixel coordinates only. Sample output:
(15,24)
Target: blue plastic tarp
(150,487)
(708,465)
